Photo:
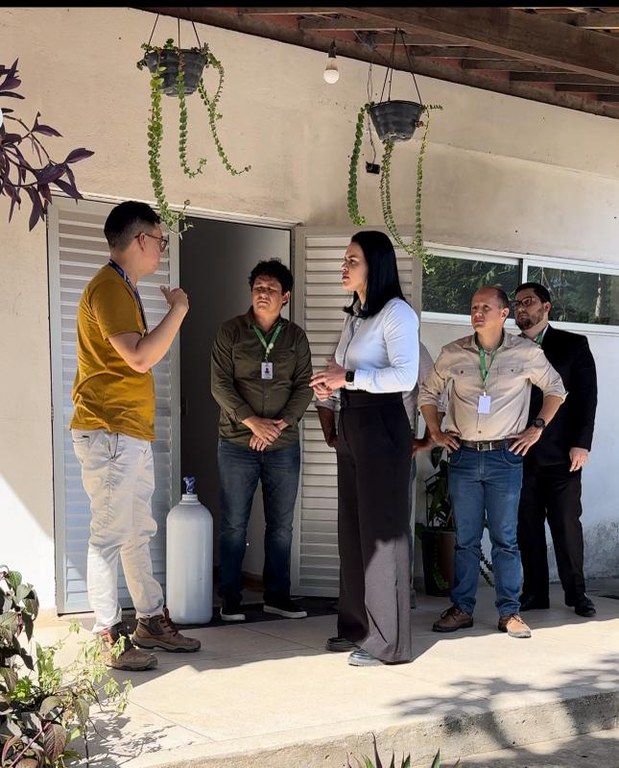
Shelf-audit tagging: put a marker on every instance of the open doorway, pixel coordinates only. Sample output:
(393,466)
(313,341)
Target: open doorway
(216,258)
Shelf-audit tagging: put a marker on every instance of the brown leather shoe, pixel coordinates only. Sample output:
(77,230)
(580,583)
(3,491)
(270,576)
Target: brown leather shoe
(514,626)
(160,632)
(120,653)
(452,619)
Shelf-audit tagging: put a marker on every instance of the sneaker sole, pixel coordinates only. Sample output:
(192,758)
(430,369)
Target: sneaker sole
(285,614)
(233,617)
(519,635)
(150,645)
(133,668)
(128,668)
(451,629)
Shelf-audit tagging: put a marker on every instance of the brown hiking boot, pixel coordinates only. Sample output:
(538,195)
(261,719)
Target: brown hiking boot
(514,626)
(160,632)
(452,619)
(120,653)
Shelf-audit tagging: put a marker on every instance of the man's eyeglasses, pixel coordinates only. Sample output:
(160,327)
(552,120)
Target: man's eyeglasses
(163,241)
(526,302)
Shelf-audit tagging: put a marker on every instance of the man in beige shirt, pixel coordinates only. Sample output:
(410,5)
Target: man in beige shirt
(487,433)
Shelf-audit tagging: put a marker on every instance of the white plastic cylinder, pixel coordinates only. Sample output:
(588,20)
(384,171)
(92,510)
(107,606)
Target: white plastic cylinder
(189,562)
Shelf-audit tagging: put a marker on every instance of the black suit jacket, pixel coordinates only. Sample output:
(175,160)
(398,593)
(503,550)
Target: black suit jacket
(570,356)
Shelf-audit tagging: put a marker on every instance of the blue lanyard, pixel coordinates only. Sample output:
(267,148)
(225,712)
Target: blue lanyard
(117,268)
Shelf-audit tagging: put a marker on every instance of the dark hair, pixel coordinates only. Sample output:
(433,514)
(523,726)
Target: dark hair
(126,220)
(272,268)
(383,280)
(538,289)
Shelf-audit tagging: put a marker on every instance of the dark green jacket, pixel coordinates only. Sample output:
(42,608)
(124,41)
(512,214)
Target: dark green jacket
(240,391)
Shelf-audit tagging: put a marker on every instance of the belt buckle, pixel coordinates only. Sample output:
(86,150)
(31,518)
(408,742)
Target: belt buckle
(480,446)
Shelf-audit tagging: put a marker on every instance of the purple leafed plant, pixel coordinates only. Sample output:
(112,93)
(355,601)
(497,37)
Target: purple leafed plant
(18,176)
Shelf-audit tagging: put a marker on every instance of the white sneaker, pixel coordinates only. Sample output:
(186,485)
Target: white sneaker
(286,608)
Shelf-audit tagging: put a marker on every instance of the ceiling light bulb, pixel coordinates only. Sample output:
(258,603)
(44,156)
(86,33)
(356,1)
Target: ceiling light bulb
(331,73)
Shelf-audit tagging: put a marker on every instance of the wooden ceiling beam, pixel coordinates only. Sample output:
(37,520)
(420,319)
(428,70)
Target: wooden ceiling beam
(349,24)
(225,19)
(597,21)
(606,89)
(285,11)
(510,33)
(451,52)
(499,65)
(555,77)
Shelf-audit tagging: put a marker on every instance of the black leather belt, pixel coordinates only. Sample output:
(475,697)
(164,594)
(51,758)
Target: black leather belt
(488,445)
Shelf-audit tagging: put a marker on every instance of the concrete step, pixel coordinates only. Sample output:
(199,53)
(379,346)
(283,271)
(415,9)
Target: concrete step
(267,695)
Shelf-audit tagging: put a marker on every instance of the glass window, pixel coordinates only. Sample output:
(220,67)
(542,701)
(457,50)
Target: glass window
(578,296)
(451,284)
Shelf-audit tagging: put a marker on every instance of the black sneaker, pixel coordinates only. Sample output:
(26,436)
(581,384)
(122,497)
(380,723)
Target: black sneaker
(231,610)
(285,607)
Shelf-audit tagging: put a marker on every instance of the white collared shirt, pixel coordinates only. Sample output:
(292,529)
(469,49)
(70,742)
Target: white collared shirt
(382,350)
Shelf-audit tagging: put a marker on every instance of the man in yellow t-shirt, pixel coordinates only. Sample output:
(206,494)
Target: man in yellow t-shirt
(112,429)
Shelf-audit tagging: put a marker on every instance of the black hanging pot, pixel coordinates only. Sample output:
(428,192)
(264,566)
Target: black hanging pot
(166,62)
(395,120)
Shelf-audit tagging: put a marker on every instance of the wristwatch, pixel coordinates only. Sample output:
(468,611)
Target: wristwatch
(350,377)
(538,422)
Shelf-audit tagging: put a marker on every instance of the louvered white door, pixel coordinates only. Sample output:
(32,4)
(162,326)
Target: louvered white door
(77,249)
(319,300)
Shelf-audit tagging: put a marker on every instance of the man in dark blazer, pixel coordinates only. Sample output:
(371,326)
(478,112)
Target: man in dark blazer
(551,486)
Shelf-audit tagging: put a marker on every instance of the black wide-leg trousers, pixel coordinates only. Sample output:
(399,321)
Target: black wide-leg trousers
(373,465)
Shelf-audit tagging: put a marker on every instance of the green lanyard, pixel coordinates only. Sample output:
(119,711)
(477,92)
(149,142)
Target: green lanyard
(483,369)
(539,338)
(262,338)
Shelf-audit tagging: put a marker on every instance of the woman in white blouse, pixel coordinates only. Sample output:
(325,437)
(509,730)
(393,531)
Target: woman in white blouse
(375,361)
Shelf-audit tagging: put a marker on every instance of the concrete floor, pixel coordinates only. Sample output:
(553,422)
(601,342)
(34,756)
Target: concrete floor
(267,695)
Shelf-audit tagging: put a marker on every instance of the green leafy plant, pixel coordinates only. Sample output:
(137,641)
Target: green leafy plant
(439,510)
(19,173)
(367,762)
(44,708)
(417,247)
(170,67)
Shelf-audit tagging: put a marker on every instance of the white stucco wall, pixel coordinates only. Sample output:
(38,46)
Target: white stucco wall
(502,173)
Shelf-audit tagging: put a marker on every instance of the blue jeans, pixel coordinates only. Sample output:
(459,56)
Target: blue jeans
(240,468)
(486,484)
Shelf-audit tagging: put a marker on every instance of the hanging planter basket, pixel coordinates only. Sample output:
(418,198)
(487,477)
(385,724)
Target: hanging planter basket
(395,120)
(166,62)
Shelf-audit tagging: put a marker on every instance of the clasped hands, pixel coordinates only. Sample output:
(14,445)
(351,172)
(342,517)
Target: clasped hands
(264,431)
(333,377)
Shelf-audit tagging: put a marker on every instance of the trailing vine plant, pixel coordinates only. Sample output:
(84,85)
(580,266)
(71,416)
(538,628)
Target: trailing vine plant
(154,59)
(214,115)
(353,200)
(417,247)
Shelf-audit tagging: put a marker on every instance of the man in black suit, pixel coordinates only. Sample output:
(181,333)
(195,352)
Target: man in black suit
(551,486)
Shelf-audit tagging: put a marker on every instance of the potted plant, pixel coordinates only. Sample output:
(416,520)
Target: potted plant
(178,72)
(44,707)
(21,175)
(394,121)
(438,535)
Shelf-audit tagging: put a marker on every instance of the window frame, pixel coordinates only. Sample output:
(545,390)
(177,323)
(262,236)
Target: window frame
(523,262)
